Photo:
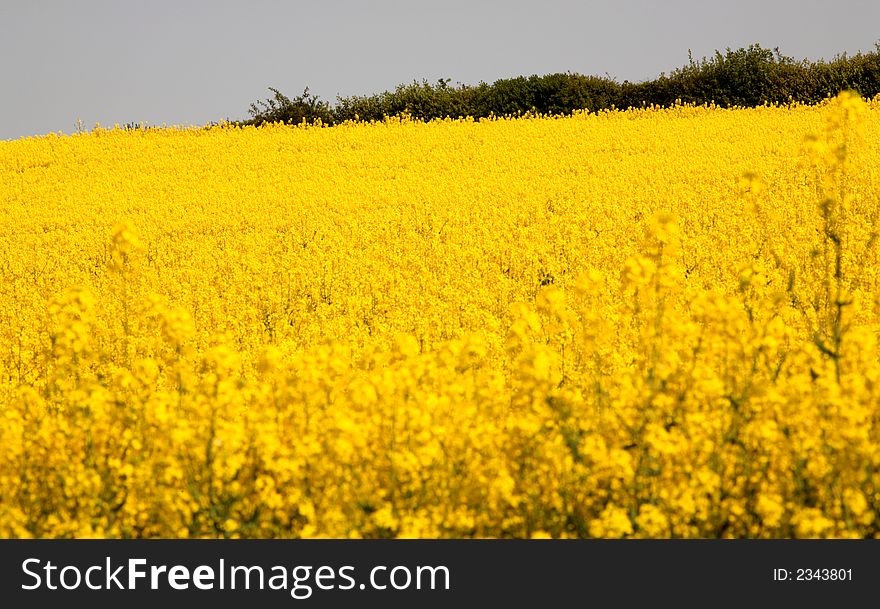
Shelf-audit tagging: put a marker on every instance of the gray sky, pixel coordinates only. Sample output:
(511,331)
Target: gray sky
(194,61)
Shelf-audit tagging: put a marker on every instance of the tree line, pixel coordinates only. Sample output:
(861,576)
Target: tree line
(747,77)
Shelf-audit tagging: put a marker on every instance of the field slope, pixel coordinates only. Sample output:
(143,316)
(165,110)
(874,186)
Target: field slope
(645,323)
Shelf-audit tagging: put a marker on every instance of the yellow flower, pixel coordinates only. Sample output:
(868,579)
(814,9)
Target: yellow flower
(667,325)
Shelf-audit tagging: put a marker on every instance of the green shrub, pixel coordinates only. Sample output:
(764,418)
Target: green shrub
(748,76)
(306,107)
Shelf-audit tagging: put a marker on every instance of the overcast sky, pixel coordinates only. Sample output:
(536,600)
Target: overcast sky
(194,61)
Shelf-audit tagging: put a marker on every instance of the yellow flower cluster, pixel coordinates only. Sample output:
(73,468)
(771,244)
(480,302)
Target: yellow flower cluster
(644,323)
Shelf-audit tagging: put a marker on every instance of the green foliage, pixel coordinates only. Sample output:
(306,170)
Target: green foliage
(744,77)
(280,108)
(753,76)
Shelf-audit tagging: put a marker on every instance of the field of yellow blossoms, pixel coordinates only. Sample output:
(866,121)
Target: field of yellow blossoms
(646,323)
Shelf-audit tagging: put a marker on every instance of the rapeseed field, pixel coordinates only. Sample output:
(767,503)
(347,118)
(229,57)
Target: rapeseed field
(646,323)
